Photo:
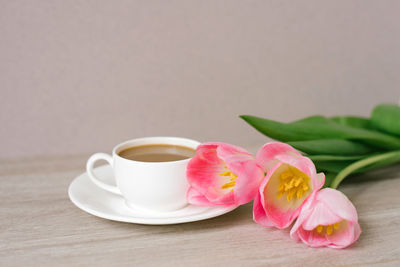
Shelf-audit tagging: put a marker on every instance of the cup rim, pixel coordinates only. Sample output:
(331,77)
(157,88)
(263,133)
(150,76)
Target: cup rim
(170,140)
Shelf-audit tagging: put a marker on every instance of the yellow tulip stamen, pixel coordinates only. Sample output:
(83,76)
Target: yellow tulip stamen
(294,184)
(327,229)
(286,175)
(232,178)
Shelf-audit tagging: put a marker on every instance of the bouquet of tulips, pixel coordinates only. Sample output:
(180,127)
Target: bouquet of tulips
(285,180)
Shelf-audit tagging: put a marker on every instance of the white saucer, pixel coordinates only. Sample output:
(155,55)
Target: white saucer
(94,200)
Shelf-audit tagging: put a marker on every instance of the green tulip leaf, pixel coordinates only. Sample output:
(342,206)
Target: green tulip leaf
(311,130)
(331,147)
(313,119)
(332,166)
(386,117)
(318,158)
(353,121)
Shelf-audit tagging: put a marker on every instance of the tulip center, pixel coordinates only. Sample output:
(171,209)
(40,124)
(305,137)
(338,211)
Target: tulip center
(231,178)
(293,184)
(327,229)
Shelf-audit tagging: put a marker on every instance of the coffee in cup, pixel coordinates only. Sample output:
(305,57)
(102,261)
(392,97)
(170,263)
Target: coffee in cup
(157,153)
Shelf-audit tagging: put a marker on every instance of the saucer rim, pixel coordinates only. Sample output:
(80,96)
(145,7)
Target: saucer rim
(211,212)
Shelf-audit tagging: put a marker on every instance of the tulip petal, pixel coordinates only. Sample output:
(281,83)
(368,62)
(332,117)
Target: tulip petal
(304,164)
(248,180)
(266,155)
(203,175)
(305,212)
(338,203)
(342,237)
(196,198)
(226,150)
(320,180)
(312,239)
(202,170)
(321,215)
(242,164)
(259,215)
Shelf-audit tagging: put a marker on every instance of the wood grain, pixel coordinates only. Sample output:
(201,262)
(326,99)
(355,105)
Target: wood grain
(40,226)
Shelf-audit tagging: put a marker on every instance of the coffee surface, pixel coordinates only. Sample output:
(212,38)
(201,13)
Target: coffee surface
(157,153)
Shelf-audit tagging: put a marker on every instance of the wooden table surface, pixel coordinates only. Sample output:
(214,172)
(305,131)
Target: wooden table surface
(40,226)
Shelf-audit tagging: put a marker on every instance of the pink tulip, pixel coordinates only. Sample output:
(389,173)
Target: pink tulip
(222,174)
(290,181)
(329,219)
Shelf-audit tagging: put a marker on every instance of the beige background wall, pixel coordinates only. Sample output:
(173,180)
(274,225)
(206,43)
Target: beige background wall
(80,76)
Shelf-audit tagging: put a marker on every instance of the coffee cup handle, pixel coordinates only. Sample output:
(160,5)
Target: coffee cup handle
(95,180)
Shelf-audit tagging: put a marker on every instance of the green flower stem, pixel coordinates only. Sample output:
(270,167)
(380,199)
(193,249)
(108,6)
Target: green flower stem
(364,163)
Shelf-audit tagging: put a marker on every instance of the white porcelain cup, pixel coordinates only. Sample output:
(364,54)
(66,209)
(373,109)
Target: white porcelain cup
(147,186)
